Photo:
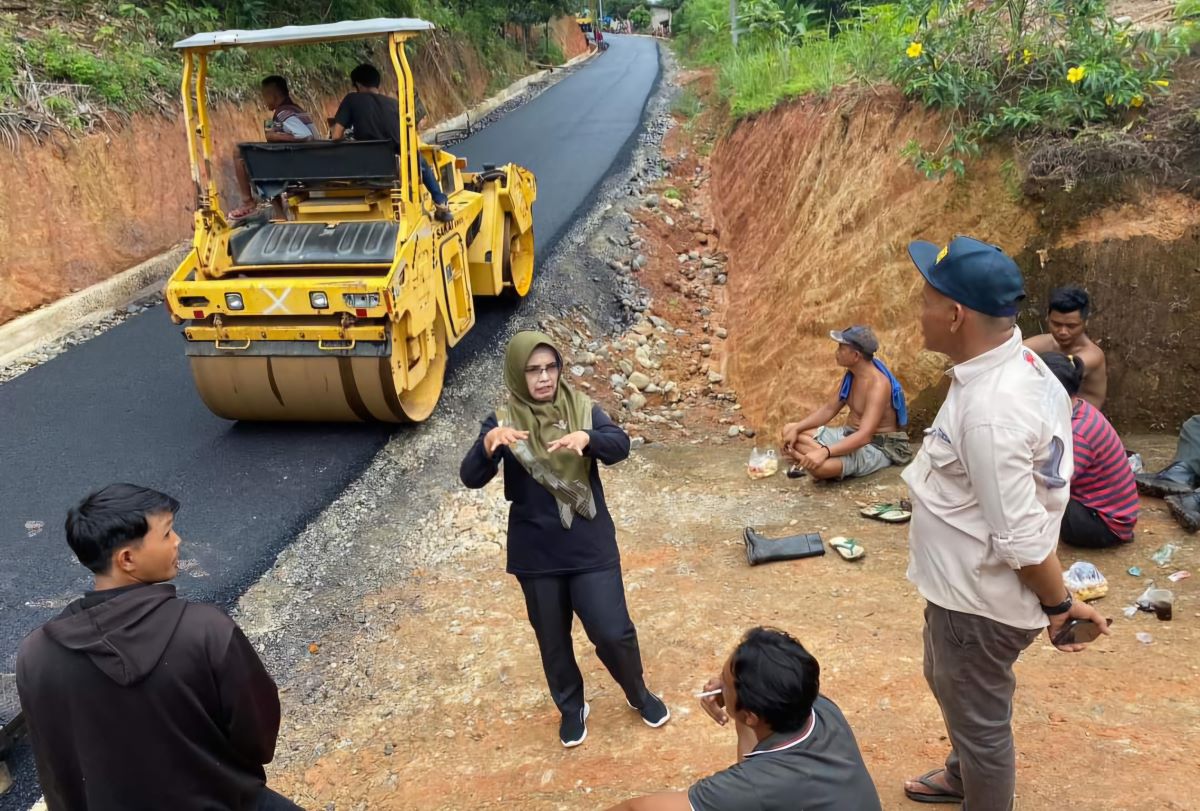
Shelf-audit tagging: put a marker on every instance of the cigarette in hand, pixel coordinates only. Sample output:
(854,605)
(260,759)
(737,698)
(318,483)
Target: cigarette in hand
(708,693)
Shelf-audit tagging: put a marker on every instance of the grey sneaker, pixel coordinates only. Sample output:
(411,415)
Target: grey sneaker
(572,730)
(654,711)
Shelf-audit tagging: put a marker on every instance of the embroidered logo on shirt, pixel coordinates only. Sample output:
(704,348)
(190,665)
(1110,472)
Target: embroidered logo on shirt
(561,425)
(1031,359)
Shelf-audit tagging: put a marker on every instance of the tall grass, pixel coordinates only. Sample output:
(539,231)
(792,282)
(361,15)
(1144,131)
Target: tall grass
(756,78)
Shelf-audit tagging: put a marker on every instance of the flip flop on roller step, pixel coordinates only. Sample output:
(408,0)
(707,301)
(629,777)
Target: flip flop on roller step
(848,548)
(888,513)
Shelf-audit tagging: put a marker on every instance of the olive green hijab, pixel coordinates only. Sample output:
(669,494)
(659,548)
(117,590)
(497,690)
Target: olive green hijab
(564,473)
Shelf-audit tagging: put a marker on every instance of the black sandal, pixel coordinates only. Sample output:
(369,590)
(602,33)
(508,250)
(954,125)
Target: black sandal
(937,795)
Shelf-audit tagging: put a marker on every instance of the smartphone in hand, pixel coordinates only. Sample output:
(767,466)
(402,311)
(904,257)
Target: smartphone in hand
(1079,632)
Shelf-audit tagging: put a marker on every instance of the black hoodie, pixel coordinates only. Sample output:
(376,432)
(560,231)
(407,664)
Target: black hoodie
(138,700)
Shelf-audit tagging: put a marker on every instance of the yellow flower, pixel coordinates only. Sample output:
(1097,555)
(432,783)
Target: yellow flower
(915,49)
(1026,56)
(1108,100)
(1161,83)
(1075,75)
(1136,101)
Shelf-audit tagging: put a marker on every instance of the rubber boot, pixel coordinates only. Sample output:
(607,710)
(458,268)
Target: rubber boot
(760,549)
(1174,480)
(1186,510)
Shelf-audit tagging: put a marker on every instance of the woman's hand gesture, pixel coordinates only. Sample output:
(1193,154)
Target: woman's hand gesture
(573,442)
(502,435)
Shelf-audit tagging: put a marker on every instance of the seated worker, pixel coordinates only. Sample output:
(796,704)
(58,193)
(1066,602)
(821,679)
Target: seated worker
(872,438)
(376,117)
(1104,500)
(1179,481)
(288,123)
(1067,317)
(794,747)
(136,698)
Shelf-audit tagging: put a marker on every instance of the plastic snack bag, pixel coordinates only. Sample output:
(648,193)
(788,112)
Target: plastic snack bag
(762,464)
(1085,581)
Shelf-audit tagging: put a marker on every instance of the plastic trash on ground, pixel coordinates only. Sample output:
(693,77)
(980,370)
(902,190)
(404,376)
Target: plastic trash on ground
(762,464)
(1085,581)
(1136,464)
(1144,638)
(1135,571)
(1175,577)
(1163,556)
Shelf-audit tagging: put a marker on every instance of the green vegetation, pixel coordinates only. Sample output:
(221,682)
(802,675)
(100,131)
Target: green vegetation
(88,56)
(1012,68)
(782,57)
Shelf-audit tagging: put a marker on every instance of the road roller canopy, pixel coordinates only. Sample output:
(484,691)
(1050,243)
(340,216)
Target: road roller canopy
(300,34)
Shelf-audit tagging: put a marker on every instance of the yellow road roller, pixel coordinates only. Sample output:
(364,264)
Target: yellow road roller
(343,303)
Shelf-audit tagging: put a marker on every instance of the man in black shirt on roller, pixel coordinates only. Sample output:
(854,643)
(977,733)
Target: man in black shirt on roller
(375,117)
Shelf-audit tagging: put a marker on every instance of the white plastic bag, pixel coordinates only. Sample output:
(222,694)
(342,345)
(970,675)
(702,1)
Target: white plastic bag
(762,464)
(1085,581)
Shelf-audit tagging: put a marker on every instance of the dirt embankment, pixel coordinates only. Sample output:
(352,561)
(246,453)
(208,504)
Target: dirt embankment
(78,210)
(815,206)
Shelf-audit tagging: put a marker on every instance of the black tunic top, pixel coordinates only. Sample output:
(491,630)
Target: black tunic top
(537,543)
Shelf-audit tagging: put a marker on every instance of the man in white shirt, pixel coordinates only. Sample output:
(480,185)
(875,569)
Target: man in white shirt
(989,489)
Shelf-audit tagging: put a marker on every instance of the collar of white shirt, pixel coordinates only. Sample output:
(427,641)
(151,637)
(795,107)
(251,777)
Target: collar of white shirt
(968,370)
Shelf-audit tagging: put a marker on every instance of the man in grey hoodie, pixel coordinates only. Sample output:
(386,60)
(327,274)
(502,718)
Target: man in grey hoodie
(136,699)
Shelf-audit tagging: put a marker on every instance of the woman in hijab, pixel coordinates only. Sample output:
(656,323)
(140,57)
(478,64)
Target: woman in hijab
(562,545)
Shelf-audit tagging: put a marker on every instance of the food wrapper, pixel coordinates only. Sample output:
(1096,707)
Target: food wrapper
(762,464)
(1085,582)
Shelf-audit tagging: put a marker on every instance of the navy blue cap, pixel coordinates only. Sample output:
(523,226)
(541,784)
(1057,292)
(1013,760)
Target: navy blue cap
(977,275)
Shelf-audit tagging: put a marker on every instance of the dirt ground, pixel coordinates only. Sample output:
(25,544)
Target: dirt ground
(436,699)
(451,710)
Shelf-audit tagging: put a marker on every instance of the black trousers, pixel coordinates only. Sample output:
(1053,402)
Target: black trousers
(271,801)
(1083,526)
(599,600)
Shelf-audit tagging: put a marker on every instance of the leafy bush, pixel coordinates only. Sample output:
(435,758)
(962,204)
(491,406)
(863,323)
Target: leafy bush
(1015,68)
(640,18)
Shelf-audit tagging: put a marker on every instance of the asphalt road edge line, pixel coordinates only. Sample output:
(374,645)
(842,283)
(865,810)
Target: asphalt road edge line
(515,89)
(28,333)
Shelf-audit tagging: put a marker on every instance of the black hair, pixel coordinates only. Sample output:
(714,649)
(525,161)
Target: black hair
(1069,300)
(775,678)
(366,76)
(277,82)
(1069,369)
(111,518)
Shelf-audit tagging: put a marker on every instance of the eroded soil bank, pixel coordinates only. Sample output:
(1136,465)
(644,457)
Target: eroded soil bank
(815,205)
(76,210)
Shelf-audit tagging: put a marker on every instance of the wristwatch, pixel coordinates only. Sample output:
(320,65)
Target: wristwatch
(1061,608)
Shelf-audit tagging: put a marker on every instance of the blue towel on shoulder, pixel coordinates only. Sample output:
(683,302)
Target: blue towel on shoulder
(898,402)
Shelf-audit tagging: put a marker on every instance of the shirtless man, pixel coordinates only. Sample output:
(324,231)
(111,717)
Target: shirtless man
(872,438)
(1068,315)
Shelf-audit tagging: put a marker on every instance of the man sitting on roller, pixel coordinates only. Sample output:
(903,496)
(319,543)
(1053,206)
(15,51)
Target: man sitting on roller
(872,437)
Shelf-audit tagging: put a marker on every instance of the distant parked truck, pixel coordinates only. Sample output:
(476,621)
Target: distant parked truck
(343,308)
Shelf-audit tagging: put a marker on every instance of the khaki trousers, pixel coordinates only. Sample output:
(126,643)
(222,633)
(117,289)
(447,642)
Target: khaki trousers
(969,667)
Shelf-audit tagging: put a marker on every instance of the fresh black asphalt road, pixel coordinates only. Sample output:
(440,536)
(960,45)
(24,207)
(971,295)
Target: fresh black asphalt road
(122,406)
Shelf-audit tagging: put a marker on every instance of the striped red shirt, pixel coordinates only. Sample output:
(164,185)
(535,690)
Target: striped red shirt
(1103,480)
